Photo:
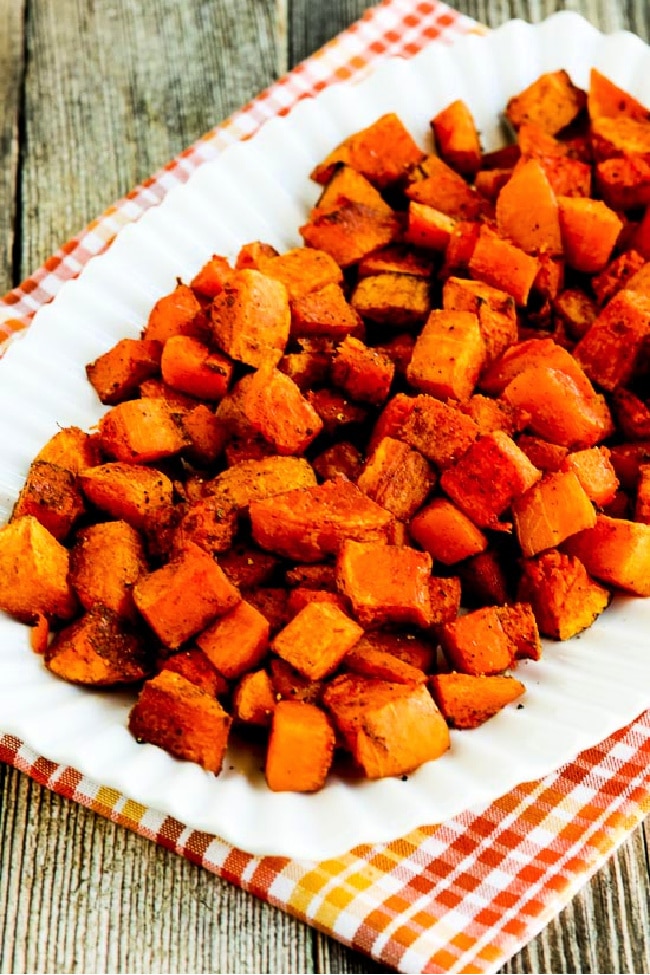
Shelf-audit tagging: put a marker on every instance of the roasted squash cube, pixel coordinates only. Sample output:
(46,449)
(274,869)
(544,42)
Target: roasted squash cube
(550,511)
(99,650)
(179,599)
(108,581)
(448,355)
(51,494)
(300,749)
(386,583)
(182,719)
(251,318)
(396,477)
(237,641)
(488,478)
(317,639)
(310,524)
(468,701)
(34,570)
(564,598)
(389,728)
(117,374)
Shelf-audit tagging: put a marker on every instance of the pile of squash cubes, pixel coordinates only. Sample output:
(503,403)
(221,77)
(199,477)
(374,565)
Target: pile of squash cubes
(311,460)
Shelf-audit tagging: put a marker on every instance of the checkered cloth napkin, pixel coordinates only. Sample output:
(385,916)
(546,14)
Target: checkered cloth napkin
(462,896)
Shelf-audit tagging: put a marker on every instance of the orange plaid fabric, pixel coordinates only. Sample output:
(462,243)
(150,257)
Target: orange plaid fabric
(462,896)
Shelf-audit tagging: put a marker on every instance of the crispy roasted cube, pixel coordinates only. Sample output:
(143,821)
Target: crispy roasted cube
(195,667)
(363,373)
(251,318)
(99,650)
(312,523)
(439,431)
(457,138)
(177,313)
(615,276)
(609,352)
(560,409)
(382,152)
(594,470)
(576,310)
(488,478)
(494,414)
(182,719)
(552,101)
(615,551)
(34,570)
(335,409)
(389,728)
(590,230)
(51,494)
(467,701)
(544,455)
(306,369)
(396,477)
(448,355)
(237,641)
(117,374)
(551,510)
(255,480)
(300,596)
(373,662)
(208,524)
(489,640)
(351,219)
(446,533)
(204,435)
(253,700)
(527,210)
(71,448)
(301,270)
(209,280)
(429,228)
(179,599)
(275,408)
(108,581)
(437,185)
(317,639)
(141,431)
(418,650)
(192,367)
(386,583)
(132,492)
(564,598)
(392,297)
(300,748)
(503,265)
(494,308)
(324,312)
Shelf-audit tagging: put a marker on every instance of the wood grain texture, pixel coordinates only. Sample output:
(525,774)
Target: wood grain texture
(12,43)
(94,96)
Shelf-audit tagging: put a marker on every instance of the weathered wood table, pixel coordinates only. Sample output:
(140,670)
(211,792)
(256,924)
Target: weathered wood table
(94,96)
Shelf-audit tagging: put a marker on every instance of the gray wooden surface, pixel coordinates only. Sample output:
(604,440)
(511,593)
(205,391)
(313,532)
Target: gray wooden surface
(94,96)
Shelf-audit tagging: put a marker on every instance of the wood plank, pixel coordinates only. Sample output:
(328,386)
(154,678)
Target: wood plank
(138,84)
(12,51)
(78,893)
